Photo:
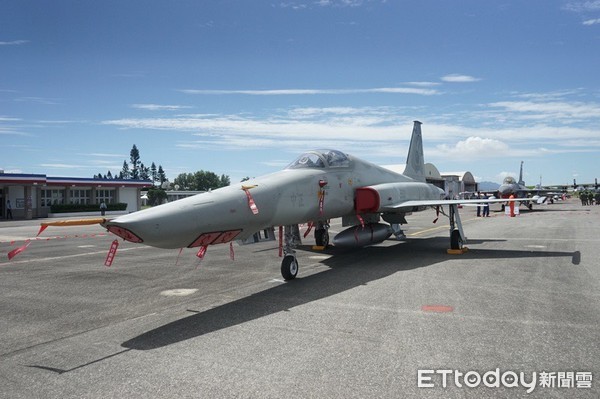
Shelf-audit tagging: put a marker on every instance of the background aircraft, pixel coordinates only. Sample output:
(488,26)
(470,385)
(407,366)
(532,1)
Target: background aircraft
(518,189)
(317,186)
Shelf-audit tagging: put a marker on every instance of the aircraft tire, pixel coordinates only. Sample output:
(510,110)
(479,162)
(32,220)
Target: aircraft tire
(321,237)
(455,240)
(289,267)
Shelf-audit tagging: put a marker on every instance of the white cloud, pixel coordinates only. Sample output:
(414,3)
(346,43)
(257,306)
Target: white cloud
(38,100)
(554,109)
(14,43)
(103,155)
(61,166)
(583,6)
(591,21)
(287,92)
(549,96)
(503,175)
(157,107)
(423,84)
(302,5)
(475,147)
(457,78)
(527,128)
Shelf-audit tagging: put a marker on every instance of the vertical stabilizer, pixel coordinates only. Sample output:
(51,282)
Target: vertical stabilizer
(521,182)
(415,163)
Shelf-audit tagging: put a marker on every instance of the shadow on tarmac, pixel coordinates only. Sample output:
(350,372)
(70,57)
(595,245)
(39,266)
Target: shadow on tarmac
(348,269)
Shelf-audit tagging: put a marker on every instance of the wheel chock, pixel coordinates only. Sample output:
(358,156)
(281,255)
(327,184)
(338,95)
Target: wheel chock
(318,248)
(457,251)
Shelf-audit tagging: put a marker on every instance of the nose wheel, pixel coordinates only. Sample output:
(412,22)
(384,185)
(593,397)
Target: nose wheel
(289,267)
(289,264)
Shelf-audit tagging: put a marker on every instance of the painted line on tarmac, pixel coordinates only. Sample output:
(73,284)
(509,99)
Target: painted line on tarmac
(440,227)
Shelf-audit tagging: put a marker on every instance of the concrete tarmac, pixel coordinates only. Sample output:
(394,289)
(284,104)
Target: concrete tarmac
(357,323)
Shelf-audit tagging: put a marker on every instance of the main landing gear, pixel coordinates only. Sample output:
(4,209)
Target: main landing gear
(321,234)
(457,237)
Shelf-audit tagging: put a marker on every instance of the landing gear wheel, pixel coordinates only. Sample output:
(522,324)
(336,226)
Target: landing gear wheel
(455,240)
(322,237)
(289,267)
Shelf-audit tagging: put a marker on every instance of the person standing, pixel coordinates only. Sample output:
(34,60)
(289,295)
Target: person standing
(478,196)
(486,207)
(102,208)
(8,210)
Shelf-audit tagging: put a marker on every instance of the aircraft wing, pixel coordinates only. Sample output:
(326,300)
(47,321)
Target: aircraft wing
(421,203)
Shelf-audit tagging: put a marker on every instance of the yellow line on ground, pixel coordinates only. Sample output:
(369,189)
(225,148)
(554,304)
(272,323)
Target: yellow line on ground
(445,226)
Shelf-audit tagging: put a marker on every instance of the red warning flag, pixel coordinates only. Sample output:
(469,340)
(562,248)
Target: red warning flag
(178,255)
(310,226)
(202,251)
(321,202)
(251,202)
(361,220)
(111,253)
(42,228)
(17,251)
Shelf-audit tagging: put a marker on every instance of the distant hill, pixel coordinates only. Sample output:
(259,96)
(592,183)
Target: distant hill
(488,186)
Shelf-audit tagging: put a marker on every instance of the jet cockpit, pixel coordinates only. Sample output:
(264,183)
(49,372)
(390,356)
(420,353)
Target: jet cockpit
(509,180)
(320,159)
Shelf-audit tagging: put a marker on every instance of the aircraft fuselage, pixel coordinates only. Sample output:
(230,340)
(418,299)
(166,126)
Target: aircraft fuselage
(298,194)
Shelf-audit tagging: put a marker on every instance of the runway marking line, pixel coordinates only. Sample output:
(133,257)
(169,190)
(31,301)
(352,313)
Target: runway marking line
(445,226)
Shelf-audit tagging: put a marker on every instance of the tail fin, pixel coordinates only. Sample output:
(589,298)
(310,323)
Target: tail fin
(415,164)
(521,182)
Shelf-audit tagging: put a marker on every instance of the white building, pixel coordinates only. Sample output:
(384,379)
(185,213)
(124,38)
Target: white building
(31,196)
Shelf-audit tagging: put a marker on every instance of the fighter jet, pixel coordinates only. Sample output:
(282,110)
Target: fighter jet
(518,189)
(316,187)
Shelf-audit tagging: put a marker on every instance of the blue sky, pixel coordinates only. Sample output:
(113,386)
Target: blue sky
(242,87)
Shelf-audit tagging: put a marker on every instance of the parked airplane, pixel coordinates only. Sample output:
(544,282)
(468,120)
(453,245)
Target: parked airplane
(317,186)
(518,189)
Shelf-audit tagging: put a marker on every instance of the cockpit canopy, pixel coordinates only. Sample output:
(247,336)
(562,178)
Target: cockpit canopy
(320,159)
(509,180)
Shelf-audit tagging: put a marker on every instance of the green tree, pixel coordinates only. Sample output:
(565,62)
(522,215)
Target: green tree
(225,181)
(201,181)
(134,156)
(125,173)
(156,196)
(184,181)
(162,177)
(144,172)
(153,173)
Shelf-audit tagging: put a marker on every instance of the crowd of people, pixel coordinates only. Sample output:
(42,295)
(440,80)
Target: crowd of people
(589,198)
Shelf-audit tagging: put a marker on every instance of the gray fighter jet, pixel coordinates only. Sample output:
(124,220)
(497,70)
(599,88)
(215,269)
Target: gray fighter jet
(518,189)
(319,185)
